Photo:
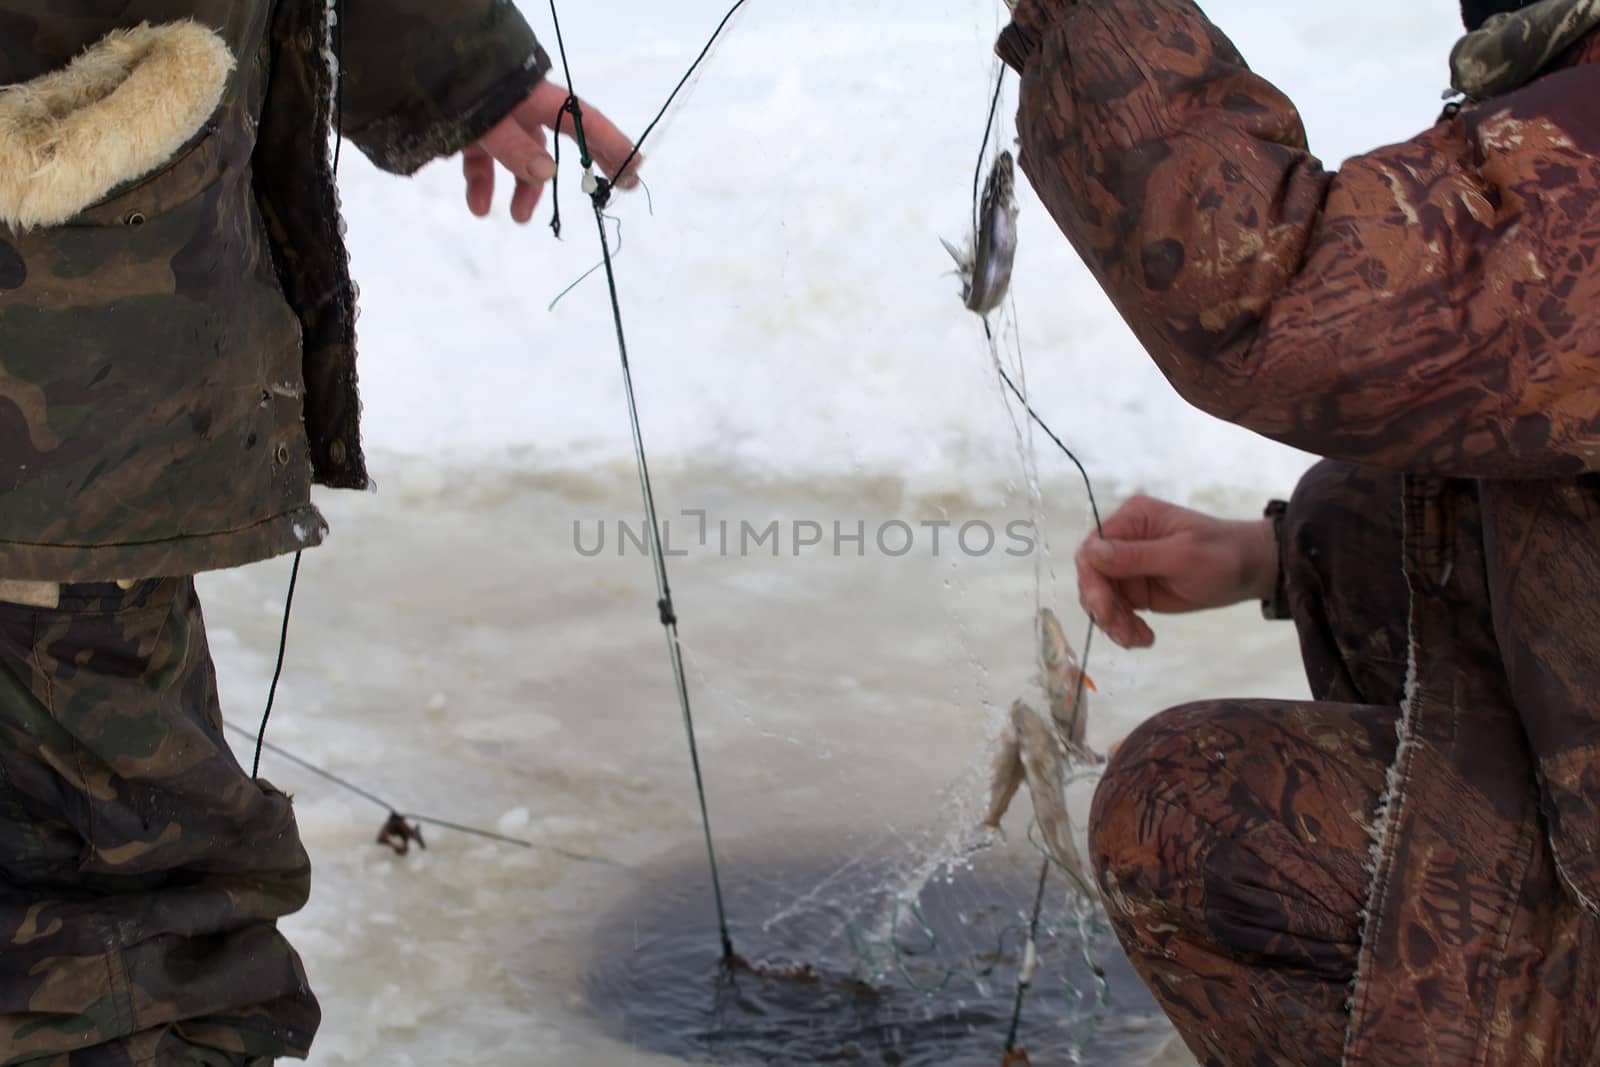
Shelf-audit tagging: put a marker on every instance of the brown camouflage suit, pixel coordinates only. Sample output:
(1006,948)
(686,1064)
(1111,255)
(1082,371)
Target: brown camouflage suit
(177,367)
(1406,871)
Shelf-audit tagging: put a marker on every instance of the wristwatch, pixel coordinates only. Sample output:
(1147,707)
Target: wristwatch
(1277,607)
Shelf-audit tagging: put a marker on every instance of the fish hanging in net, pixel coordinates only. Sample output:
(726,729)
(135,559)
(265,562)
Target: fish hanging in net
(1039,750)
(985,264)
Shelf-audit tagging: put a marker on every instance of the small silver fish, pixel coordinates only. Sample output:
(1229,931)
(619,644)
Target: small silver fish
(1045,765)
(1040,750)
(1062,675)
(985,267)
(1005,775)
(1070,715)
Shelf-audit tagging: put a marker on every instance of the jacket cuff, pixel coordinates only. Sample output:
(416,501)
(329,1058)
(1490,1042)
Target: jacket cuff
(1277,606)
(405,142)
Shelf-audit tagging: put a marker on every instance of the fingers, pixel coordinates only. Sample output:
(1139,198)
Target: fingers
(1115,578)
(1160,558)
(1140,517)
(610,147)
(1117,573)
(1096,592)
(478,167)
(521,151)
(520,143)
(1149,556)
(1105,603)
(1126,629)
(1137,634)
(525,201)
(608,144)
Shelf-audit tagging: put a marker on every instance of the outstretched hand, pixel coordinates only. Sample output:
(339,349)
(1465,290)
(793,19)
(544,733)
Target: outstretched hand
(1162,558)
(521,145)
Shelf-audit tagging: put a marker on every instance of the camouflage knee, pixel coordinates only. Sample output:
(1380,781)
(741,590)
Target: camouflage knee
(1230,841)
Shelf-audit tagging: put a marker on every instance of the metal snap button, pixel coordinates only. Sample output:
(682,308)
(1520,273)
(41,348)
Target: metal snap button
(135,218)
(282,455)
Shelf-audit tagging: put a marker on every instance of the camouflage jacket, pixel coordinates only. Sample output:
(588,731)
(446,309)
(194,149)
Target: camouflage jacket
(1432,308)
(177,357)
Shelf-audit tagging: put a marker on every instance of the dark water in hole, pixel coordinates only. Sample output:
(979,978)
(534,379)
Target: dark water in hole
(823,989)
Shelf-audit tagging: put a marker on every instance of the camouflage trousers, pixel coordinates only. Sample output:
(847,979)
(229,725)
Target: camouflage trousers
(1233,839)
(141,869)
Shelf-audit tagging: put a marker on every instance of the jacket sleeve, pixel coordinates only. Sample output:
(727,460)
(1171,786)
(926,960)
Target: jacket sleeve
(1433,307)
(423,79)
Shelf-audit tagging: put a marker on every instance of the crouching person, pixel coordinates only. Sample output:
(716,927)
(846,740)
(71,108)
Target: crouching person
(1402,871)
(1233,840)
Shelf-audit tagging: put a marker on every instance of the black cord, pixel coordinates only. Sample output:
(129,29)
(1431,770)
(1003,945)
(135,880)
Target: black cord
(555,184)
(664,605)
(283,645)
(350,787)
(623,169)
(983,153)
(1094,506)
(1025,980)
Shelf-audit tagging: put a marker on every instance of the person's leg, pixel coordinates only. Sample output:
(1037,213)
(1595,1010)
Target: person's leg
(1231,842)
(142,871)
(1341,543)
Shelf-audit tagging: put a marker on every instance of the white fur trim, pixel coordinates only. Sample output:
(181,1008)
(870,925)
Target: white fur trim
(115,113)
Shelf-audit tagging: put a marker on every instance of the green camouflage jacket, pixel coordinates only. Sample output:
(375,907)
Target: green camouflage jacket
(177,358)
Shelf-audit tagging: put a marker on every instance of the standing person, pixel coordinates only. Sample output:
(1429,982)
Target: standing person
(177,367)
(1404,871)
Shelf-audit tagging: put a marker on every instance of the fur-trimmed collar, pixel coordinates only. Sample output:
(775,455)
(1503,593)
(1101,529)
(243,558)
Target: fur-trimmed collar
(118,111)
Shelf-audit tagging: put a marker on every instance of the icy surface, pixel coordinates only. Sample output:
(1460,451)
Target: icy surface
(453,654)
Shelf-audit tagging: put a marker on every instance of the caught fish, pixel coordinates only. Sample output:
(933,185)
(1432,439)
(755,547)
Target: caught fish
(1038,757)
(985,267)
(1005,776)
(1064,685)
(1040,750)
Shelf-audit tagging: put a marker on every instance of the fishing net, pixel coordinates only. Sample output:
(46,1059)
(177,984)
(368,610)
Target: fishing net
(871,908)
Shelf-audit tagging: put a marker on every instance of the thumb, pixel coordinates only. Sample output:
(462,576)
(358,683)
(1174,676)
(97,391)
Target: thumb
(1135,559)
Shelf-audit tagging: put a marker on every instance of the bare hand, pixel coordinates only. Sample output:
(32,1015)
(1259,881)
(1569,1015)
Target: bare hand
(1159,557)
(520,144)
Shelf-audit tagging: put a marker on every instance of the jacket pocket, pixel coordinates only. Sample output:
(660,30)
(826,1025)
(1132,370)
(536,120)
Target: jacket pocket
(194,169)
